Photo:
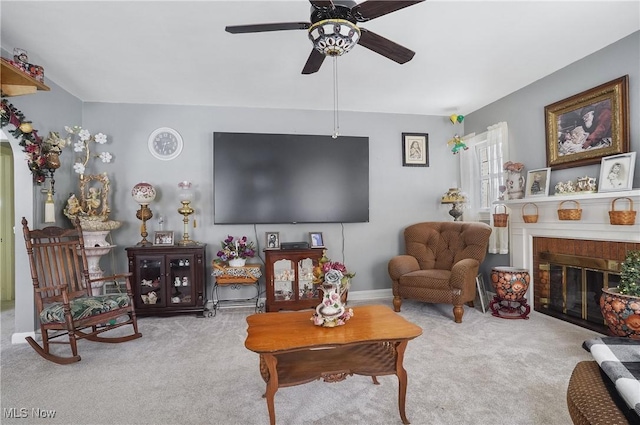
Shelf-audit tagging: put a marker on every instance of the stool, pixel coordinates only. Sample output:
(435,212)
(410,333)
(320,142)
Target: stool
(511,285)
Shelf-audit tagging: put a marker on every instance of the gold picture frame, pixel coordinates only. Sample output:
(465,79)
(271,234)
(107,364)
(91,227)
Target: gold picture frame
(588,126)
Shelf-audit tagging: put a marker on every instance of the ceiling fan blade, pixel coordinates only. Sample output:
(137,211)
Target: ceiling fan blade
(280,26)
(321,3)
(372,9)
(314,62)
(385,47)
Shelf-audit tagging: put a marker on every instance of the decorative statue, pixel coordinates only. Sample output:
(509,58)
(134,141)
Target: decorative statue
(514,180)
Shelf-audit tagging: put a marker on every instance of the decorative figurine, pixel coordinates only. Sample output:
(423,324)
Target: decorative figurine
(458,144)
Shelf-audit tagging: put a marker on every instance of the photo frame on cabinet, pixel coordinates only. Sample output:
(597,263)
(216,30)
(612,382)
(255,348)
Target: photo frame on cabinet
(272,240)
(583,128)
(163,237)
(415,149)
(616,172)
(538,182)
(316,239)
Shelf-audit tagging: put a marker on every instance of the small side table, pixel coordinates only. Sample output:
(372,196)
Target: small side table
(235,278)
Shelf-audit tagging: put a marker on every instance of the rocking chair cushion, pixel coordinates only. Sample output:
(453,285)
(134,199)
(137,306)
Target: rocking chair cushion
(84,307)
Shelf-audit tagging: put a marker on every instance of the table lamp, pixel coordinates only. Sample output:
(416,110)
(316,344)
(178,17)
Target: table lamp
(457,199)
(143,193)
(185,194)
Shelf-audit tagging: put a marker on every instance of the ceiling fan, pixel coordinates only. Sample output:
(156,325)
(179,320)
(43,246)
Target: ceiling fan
(333,29)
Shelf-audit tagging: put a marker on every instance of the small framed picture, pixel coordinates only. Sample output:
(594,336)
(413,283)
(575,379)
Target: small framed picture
(316,239)
(272,240)
(164,237)
(415,150)
(538,182)
(616,172)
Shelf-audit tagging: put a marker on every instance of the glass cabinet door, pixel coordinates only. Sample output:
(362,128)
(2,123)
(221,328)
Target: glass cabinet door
(152,283)
(284,277)
(180,282)
(306,288)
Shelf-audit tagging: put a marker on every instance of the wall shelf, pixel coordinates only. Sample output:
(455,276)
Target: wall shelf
(15,82)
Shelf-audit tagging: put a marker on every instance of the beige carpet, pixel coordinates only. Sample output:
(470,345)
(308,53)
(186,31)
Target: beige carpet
(187,370)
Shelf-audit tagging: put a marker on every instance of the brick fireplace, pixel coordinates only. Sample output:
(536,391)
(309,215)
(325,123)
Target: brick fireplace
(571,260)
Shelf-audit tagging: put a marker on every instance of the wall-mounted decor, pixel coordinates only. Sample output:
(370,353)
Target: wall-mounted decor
(316,239)
(164,237)
(165,143)
(538,182)
(588,126)
(616,172)
(272,240)
(415,150)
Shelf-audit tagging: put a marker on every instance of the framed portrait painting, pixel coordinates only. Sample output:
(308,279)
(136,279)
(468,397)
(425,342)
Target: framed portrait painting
(538,182)
(272,240)
(583,128)
(415,150)
(616,172)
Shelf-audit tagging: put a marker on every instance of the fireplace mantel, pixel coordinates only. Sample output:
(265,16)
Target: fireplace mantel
(594,224)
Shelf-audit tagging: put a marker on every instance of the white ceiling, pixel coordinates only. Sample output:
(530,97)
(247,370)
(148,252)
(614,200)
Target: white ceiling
(468,53)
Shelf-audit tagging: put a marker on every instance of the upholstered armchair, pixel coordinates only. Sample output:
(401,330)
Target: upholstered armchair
(441,263)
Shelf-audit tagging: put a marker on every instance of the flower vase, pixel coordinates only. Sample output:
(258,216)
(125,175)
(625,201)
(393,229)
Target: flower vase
(515,185)
(331,311)
(237,262)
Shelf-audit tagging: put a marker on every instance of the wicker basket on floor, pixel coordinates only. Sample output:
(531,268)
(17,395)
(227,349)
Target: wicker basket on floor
(530,218)
(569,213)
(500,219)
(627,217)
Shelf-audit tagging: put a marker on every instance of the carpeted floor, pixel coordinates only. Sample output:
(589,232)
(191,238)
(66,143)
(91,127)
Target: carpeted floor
(187,370)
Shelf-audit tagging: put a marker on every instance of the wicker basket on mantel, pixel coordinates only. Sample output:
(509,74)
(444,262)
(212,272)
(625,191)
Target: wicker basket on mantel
(627,217)
(569,213)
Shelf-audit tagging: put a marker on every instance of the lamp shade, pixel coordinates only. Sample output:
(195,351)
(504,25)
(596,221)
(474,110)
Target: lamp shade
(453,196)
(185,191)
(143,193)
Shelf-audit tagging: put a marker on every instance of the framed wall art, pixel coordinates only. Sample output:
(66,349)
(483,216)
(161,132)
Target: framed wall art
(616,172)
(415,149)
(583,128)
(316,239)
(164,237)
(538,182)
(272,240)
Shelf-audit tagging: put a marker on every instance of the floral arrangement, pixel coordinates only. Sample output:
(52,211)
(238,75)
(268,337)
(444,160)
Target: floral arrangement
(513,166)
(236,248)
(331,272)
(630,275)
(82,145)
(32,144)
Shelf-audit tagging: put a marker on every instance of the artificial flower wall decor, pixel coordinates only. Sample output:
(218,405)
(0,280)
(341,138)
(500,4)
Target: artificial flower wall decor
(35,148)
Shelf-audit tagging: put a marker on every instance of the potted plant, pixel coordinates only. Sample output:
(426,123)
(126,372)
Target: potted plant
(621,306)
(236,251)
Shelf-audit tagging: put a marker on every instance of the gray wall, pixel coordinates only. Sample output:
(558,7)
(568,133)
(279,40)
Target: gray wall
(523,110)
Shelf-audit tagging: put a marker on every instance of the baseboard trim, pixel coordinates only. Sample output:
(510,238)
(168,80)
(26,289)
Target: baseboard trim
(373,294)
(20,337)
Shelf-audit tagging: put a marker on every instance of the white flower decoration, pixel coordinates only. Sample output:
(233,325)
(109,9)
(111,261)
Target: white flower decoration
(78,146)
(84,135)
(101,138)
(105,157)
(78,168)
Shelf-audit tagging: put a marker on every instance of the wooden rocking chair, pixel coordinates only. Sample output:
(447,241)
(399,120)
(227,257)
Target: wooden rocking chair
(63,296)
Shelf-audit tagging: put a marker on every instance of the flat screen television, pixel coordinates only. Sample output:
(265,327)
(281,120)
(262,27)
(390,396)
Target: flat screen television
(290,178)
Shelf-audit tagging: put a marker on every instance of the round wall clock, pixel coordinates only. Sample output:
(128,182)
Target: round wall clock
(165,143)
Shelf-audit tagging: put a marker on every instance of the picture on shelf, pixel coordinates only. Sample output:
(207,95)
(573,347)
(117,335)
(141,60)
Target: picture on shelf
(164,237)
(272,240)
(616,172)
(316,239)
(538,182)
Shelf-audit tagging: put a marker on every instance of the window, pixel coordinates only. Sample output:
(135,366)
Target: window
(491,180)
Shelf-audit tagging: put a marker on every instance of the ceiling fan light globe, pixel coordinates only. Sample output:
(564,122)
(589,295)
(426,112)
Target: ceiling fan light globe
(334,37)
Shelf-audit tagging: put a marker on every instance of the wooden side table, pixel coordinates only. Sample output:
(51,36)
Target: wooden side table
(235,278)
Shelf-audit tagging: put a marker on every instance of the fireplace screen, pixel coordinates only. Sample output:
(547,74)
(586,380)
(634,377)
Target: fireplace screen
(574,288)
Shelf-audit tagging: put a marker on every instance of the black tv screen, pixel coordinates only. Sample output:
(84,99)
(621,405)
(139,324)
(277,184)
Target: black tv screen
(290,178)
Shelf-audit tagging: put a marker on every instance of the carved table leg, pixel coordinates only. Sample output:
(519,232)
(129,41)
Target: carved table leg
(402,380)
(272,386)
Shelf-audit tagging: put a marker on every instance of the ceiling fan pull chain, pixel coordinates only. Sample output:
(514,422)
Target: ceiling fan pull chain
(336,119)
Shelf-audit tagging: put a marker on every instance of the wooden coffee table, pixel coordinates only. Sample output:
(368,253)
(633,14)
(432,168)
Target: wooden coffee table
(294,351)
